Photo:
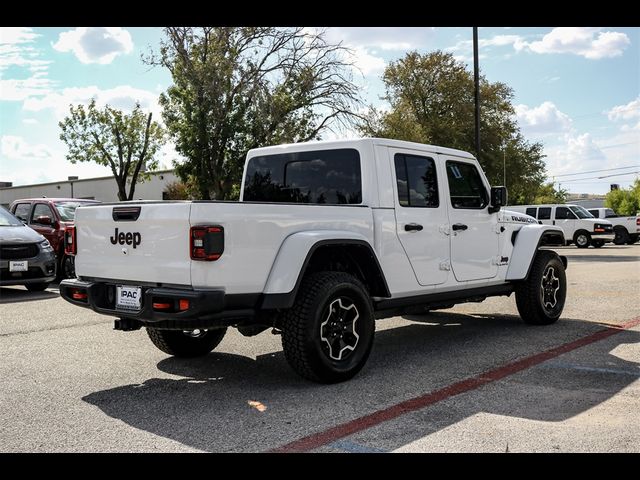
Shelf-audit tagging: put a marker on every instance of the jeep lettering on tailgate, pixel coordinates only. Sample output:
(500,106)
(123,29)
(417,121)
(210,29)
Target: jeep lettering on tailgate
(129,238)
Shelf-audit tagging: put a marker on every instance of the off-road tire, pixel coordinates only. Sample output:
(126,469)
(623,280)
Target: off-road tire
(529,293)
(180,344)
(309,353)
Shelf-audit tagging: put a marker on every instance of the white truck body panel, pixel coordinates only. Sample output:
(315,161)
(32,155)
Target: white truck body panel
(163,255)
(291,256)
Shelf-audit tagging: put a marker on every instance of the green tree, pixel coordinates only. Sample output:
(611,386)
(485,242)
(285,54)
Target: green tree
(432,101)
(239,88)
(109,137)
(624,201)
(177,191)
(548,194)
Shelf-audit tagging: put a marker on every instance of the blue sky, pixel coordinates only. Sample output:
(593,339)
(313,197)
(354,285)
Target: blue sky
(576,89)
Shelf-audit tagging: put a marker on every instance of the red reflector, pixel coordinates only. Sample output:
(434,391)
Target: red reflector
(184,304)
(161,306)
(79,295)
(599,229)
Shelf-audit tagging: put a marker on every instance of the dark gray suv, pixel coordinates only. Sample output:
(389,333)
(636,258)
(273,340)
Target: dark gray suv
(26,257)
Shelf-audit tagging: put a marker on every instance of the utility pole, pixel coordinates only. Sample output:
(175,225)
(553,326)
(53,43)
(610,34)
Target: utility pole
(504,166)
(476,80)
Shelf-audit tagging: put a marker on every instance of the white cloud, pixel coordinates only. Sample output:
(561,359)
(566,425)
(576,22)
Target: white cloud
(95,44)
(30,121)
(500,41)
(543,120)
(625,112)
(29,76)
(630,128)
(13,147)
(24,163)
(575,153)
(122,97)
(366,62)
(14,35)
(589,43)
(385,38)
(15,90)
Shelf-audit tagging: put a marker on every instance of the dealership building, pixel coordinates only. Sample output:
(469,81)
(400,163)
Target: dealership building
(103,189)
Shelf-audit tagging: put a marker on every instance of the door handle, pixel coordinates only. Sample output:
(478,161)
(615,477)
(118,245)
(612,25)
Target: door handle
(459,226)
(413,227)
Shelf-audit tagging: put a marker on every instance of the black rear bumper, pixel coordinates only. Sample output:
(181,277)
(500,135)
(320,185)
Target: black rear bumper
(207,308)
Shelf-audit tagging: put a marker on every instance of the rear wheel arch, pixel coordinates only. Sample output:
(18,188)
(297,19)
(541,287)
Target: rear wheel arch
(355,257)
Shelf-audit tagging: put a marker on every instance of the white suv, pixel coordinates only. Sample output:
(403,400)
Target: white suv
(578,224)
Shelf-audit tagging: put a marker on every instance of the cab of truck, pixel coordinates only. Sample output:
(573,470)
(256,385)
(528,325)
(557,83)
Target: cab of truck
(579,226)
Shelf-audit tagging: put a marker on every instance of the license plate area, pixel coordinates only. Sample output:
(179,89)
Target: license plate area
(128,298)
(20,266)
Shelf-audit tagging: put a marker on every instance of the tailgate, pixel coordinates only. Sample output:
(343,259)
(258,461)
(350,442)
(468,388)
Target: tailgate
(134,242)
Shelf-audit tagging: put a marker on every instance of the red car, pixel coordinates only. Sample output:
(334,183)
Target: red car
(49,217)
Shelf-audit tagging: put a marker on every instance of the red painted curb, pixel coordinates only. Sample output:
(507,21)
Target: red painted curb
(316,440)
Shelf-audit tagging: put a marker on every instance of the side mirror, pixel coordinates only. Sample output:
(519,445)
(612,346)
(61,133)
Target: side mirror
(498,198)
(44,220)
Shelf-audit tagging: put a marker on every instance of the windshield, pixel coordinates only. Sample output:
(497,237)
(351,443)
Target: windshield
(581,212)
(8,220)
(67,210)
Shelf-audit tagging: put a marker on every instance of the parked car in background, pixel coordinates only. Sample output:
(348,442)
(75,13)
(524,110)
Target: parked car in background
(26,257)
(49,217)
(627,229)
(578,224)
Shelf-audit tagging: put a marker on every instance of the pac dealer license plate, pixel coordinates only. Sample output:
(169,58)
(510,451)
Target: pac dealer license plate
(128,298)
(21,266)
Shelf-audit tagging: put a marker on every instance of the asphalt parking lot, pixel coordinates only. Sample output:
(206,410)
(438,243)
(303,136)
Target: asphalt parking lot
(473,378)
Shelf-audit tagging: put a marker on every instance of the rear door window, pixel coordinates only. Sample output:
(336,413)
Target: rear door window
(320,177)
(544,213)
(416,181)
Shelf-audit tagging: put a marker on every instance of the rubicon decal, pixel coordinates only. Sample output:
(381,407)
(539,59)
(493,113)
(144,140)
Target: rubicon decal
(130,238)
(523,219)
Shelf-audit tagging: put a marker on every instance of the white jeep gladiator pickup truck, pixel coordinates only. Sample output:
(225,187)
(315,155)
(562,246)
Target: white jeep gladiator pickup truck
(327,237)
(626,229)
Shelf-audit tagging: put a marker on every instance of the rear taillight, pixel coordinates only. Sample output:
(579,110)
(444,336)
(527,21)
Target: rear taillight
(637,221)
(206,242)
(70,245)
